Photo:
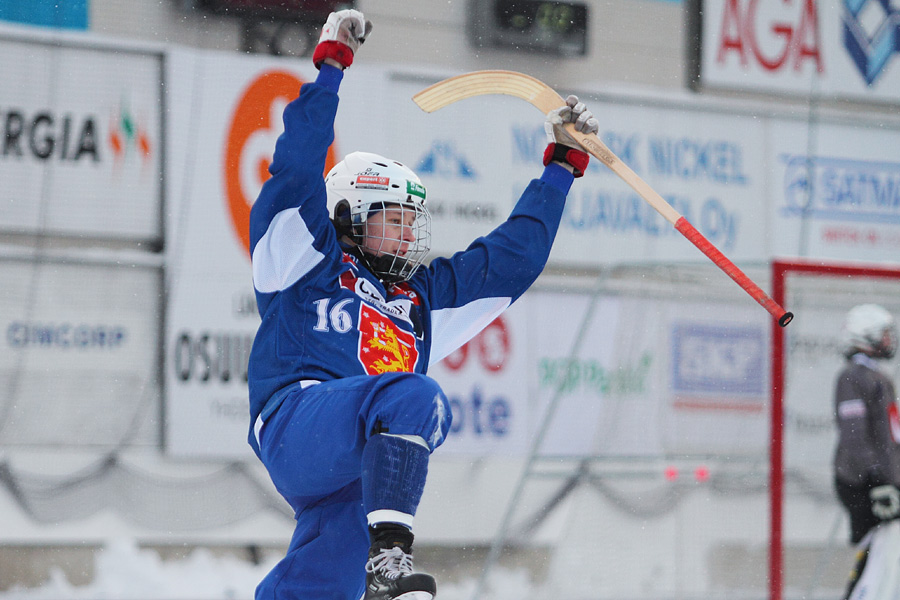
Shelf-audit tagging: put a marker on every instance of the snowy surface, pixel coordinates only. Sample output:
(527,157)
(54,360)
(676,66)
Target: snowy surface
(126,572)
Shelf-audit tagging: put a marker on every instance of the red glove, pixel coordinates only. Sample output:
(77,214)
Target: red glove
(578,159)
(563,147)
(341,37)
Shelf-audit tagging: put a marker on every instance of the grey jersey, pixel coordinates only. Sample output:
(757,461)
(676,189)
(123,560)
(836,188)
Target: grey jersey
(868,449)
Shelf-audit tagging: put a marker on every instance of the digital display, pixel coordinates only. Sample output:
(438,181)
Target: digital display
(553,18)
(544,26)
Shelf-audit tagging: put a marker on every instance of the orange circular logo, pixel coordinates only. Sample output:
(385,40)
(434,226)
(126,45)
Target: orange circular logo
(255,127)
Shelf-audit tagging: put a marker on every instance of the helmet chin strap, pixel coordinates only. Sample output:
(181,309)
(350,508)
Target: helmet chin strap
(380,266)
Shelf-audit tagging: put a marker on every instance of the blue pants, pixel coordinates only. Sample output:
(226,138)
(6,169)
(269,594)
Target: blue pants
(312,447)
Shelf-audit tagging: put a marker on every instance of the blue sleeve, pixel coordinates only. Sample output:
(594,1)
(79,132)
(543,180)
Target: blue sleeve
(291,233)
(330,77)
(470,289)
(300,154)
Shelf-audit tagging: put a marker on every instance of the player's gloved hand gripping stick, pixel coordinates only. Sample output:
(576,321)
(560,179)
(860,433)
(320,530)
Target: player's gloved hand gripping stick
(544,98)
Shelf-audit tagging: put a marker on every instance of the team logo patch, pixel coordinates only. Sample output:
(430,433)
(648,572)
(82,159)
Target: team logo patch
(383,347)
(399,307)
(372,182)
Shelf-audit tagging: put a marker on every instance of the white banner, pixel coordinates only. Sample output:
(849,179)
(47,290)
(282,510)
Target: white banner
(82,140)
(733,175)
(79,360)
(488,392)
(477,156)
(806,47)
(836,193)
(227,117)
(623,377)
(225,122)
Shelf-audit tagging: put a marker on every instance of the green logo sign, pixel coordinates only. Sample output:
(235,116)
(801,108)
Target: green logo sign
(568,375)
(415,189)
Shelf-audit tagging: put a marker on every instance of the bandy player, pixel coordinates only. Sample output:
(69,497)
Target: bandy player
(867,455)
(342,413)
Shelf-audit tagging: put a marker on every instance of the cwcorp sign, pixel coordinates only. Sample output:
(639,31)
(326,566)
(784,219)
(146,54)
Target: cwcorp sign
(804,47)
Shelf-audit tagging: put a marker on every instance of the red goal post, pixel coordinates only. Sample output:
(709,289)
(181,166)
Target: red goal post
(783,272)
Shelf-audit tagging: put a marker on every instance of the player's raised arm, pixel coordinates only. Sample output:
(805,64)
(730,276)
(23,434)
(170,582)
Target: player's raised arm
(309,122)
(469,289)
(301,151)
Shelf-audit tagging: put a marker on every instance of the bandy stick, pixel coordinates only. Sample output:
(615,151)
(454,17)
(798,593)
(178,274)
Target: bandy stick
(545,99)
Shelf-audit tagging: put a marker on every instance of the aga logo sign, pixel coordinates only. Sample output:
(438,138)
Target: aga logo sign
(783,38)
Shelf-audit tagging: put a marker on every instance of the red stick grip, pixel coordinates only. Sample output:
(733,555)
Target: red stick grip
(730,269)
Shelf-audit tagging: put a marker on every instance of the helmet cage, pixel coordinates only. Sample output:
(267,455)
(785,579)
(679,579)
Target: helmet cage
(394,246)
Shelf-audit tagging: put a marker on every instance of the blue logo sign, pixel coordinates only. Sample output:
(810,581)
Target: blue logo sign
(81,336)
(718,359)
(443,159)
(480,417)
(871,35)
(841,189)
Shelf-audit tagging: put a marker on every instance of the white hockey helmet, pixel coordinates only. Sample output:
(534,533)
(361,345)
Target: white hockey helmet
(871,329)
(364,183)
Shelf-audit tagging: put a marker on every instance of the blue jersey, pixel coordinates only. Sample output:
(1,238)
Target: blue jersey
(325,316)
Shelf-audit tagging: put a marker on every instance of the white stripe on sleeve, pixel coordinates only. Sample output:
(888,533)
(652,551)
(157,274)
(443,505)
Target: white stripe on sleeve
(453,327)
(850,409)
(284,254)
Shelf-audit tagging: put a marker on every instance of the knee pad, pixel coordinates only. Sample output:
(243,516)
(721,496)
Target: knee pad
(410,404)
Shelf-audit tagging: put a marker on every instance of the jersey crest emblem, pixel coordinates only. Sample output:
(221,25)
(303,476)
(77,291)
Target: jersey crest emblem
(384,347)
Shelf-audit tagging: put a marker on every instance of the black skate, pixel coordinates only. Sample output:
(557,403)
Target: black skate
(389,576)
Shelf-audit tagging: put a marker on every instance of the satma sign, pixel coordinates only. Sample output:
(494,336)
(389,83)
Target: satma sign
(801,47)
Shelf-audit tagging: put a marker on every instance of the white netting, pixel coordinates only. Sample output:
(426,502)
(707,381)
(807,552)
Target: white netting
(651,480)
(662,489)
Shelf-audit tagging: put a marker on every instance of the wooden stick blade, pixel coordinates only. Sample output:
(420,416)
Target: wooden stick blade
(480,83)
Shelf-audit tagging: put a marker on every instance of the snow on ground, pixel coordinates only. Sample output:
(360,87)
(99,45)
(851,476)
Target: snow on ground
(125,572)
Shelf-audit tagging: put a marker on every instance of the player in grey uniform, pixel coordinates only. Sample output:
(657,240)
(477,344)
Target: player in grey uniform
(867,458)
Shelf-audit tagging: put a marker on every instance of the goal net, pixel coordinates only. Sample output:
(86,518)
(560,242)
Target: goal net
(810,554)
